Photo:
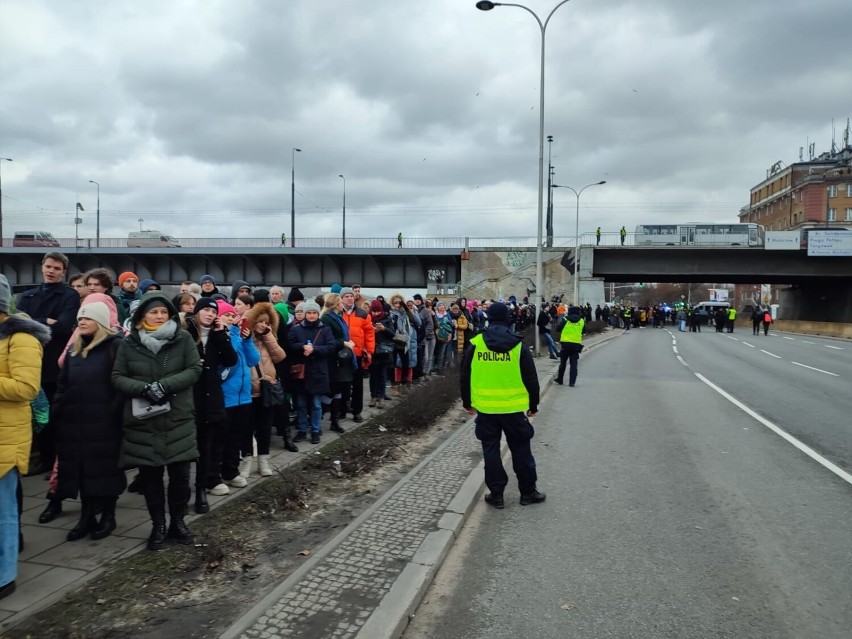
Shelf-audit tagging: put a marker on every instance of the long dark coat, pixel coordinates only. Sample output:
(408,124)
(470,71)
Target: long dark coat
(169,437)
(317,381)
(87,414)
(218,355)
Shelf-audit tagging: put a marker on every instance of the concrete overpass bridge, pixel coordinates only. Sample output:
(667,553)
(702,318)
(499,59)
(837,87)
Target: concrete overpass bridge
(487,267)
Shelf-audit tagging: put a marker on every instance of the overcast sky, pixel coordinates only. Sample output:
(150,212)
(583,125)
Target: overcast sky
(186,112)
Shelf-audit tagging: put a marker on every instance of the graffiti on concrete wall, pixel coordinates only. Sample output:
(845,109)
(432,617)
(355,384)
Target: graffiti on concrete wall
(516,259)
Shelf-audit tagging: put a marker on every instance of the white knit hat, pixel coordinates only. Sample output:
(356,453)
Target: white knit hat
(96,311)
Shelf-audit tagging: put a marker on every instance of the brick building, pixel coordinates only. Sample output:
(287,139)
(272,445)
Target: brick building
(804,194)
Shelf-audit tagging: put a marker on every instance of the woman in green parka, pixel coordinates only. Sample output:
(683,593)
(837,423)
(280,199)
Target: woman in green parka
(159,362)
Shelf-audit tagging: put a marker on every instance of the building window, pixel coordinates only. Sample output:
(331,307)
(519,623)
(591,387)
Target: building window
(832,190)
(849,190)
(849,215)
(832,215)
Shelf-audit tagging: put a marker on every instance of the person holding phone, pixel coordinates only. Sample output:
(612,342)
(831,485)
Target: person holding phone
(217,353)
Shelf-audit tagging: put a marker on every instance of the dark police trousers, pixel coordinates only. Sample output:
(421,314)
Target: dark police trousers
(570,353)
(519,432)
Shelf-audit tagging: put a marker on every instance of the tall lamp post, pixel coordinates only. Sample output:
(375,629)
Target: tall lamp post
(344,210)
(549,216)
(293,197)
(1,202)
(577,194)
(98,216)
(486,5)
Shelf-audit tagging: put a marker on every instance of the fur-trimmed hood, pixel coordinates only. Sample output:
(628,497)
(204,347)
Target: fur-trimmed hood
(264,308)
(21,323)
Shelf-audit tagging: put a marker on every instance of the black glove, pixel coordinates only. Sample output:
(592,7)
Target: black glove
(155,393)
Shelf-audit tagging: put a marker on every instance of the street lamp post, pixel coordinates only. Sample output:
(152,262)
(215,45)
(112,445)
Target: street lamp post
(549,216)
(344,210)
(486,5)
(577,194)
(1,202)
(98,216)
(293,197)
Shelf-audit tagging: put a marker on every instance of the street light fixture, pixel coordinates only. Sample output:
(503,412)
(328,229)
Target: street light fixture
(98,217)
(344,210)
(293,197)
(1,202)
(486,5)
(577,236)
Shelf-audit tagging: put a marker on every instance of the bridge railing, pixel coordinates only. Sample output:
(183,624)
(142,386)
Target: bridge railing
(453,242)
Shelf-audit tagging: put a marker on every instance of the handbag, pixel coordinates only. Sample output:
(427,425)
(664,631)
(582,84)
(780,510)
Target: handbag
(271,393)
(297,371)
(345,353)
(141,408)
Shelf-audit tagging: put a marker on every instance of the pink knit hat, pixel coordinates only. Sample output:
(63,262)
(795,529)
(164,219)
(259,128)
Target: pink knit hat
(224,307)
(110,304)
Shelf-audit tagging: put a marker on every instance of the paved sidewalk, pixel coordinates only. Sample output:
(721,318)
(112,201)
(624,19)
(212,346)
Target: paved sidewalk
(363,583)
(367,581)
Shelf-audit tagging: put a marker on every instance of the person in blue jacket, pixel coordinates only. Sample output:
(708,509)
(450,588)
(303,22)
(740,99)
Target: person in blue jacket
(236,386)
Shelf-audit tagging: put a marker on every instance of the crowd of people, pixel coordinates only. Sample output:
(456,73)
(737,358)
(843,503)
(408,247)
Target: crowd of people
(135,378)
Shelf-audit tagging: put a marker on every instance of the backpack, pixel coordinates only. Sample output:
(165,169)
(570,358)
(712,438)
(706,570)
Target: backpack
(401,334)
(561,321)
(767,317)
(444,332)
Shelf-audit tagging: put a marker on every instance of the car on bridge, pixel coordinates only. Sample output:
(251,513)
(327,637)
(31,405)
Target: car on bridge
(151,239)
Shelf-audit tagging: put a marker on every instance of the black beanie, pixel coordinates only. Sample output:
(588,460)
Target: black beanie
(261,295)
(295,295)
(205,302)
(498,312)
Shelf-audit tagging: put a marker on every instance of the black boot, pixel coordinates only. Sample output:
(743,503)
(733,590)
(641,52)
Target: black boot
(155,500)
(335,416)
(52,510)
(178,530)
(201,505)
(158,534)
(107,523)
(288,442)
(86,524)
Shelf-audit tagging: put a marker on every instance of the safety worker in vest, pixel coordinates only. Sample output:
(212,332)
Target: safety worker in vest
(499,385)
(732,316)
(571,342)
(598,236)
(627,316)
(623,233)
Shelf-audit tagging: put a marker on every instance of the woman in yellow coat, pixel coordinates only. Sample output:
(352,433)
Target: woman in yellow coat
(21,343)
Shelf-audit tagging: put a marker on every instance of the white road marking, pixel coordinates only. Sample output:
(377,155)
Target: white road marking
(770,354)
(810,452)
(733,338)
(785,337)
(749,345)
(819,370)
(804,342)
(681,360)
(674,348)
(837,348)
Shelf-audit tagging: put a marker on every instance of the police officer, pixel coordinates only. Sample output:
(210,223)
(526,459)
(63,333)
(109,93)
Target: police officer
(499,385)
(732,316)
(571,340)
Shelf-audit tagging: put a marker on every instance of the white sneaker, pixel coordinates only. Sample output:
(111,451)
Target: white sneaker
(263,467)
(237,482)
(245,467)
(218,490)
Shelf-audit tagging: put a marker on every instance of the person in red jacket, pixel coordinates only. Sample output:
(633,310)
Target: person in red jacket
(361,332)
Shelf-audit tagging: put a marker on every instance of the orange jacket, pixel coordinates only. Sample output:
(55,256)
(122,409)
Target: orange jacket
(360,330)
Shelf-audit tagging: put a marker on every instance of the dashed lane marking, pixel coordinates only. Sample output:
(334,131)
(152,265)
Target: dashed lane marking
(770,354)
(805,342)
(819,370)
(790,338)
(749,345)
(837,348)
(810,452)
(681,360)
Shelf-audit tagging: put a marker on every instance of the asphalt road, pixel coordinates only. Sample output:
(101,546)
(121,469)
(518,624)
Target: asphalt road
(671,511)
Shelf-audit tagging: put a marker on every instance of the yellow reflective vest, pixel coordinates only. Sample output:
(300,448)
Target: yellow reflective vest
(572,332)
(732,313)
(496,385)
